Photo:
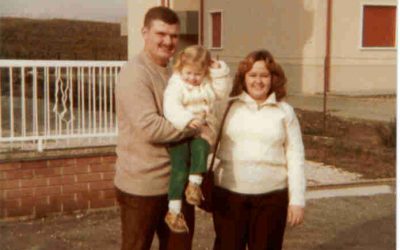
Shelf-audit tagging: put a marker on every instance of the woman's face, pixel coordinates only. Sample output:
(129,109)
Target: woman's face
(258,81)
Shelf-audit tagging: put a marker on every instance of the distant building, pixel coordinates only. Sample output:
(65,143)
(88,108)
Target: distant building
(362,38)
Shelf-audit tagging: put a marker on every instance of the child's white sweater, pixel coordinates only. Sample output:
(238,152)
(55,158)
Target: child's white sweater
(184,102)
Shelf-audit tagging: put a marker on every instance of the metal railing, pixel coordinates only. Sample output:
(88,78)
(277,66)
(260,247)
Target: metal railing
(49,101)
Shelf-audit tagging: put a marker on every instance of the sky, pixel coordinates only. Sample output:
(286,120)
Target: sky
(96,10)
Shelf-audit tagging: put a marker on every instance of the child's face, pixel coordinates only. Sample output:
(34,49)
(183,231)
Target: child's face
(192,74)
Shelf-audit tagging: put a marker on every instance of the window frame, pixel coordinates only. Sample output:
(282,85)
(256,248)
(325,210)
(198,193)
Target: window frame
(210,30)
(379,3)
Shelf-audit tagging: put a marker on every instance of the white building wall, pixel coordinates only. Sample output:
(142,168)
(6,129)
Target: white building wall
(185,5)
(295,33)
(357,69)
(136,11)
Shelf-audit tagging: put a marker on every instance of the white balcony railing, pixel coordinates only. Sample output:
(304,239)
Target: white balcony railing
(45,102)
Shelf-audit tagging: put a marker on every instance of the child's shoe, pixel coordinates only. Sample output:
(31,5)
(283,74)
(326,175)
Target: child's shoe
(193,194)
(176,222)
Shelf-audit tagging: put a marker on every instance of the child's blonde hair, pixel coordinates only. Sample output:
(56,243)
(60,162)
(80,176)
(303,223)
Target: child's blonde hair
(194,55)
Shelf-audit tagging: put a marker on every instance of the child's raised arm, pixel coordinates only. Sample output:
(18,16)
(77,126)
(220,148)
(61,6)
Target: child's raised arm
(220,79)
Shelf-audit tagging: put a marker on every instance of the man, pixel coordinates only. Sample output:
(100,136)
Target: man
(143,165)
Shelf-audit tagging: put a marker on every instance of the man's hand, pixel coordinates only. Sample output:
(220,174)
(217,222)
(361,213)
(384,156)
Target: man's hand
(207,134)
(295,215)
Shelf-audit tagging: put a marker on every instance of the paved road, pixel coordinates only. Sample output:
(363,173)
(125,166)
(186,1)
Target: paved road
(344,223)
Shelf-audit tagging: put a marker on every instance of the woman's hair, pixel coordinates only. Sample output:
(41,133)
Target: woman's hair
(278,78)
(195,56)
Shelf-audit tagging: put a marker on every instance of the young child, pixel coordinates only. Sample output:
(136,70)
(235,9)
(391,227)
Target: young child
(197,82)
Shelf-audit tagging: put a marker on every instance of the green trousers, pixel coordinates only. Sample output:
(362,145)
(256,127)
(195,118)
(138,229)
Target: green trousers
(187,157)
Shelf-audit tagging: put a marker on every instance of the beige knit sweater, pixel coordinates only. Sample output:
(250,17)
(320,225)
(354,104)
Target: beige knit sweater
(143,165)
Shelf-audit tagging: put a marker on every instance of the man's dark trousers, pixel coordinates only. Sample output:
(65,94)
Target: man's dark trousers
(143,216)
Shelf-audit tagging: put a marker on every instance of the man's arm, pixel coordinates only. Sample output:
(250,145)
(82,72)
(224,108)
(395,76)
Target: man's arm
(135,95)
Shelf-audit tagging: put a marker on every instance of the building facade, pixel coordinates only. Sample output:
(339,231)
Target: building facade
(338,45)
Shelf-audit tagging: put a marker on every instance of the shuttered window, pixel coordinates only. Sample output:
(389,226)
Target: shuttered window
(216,28)
(379,26)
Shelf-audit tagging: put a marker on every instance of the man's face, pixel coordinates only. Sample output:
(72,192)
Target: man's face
(160,41)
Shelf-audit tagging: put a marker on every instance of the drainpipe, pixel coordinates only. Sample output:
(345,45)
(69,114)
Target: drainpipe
(165,3)
(201,23)
(327,61)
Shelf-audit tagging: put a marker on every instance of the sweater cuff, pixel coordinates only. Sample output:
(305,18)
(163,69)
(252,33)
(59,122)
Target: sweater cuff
(297,200)
(221,71)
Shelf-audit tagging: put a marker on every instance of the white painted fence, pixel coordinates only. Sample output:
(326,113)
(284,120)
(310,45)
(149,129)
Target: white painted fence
(44,101)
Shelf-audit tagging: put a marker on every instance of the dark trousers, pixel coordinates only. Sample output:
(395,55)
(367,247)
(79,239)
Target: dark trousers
(187,157)
(257,221)
(143,216)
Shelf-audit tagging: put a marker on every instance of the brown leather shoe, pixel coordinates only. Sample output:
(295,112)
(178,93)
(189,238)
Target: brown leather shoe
(193,194)
(176,222)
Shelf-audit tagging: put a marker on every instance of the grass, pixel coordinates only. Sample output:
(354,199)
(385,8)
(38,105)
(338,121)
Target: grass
(364,147)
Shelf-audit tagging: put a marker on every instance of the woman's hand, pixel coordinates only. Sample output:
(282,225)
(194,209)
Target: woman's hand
(295,215)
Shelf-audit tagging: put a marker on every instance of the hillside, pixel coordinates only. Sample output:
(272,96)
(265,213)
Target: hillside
(22,38)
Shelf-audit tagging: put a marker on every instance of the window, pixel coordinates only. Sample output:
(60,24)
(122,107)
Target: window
(216,29)
(379,26)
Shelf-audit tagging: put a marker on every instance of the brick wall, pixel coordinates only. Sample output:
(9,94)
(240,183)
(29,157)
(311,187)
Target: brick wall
(40,187)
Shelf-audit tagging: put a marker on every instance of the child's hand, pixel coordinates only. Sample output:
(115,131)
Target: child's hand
(215,64)
(195,123)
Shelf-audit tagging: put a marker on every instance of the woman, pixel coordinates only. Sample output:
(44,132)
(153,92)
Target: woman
(260,181)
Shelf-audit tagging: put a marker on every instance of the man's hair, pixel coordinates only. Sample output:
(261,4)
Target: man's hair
(160,13)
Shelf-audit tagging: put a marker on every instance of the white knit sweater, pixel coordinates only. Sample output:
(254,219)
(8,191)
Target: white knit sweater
(184,102)
(261,149)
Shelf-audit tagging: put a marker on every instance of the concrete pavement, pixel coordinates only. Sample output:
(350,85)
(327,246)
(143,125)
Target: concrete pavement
(350,191)
(324,181)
